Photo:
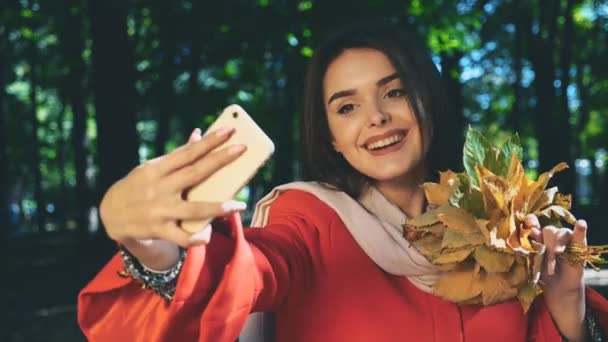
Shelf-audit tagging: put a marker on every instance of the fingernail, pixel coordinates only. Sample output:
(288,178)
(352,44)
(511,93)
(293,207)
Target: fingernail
(200,237)
(236,149)
(551,267)
(224,131)
(230,206)
(197,134)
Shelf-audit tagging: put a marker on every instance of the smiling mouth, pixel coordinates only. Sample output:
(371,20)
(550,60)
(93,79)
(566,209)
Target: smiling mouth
(386,142)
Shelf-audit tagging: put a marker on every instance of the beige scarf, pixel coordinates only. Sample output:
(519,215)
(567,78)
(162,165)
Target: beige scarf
(374,222)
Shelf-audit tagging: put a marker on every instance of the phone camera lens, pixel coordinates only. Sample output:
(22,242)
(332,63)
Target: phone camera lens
(235,115)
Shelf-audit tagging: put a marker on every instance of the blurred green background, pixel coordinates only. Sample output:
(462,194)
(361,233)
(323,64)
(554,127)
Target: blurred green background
(89,89)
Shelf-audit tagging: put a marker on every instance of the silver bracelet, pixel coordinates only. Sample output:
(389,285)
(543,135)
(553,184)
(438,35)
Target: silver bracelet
(593,330)
(162,283)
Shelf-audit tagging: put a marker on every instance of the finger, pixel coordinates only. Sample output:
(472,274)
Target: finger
(202,237)
(195,173)
(579,235)
(172,232)
(536,235)
(550,241)
(195,136)
(187,154)
(531,221)
(203,210)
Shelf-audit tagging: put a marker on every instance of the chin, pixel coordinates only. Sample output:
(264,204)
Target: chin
(393,173)
(389,175)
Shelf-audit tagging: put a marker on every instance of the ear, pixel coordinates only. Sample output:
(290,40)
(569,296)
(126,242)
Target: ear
(336,148)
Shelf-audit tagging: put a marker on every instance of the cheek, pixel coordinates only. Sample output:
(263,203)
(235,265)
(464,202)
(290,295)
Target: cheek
(341,134)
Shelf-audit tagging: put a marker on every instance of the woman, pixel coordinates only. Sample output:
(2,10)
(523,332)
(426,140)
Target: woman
(329,262)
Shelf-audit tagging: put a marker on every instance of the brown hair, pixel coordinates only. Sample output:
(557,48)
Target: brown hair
(424,91)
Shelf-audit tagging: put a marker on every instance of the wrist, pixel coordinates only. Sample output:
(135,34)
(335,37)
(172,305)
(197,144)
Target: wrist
(153,254)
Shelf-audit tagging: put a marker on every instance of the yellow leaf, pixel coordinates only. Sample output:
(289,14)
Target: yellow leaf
(437,194)
(455,240)
(449,178)
(524,236)
(473,301)
(546,199)
(428,218)
(515,177)
(507,227)
(495,288)
(429,246)
(455,256)
(536,262)
(527,294)
(493,261)
(458,220)
(495,241)
(492,189)
(448,267)
(564,201)
(412,233)
(458,285)
(558,212)
(520,201)
(519,273)
(536,189)
(482,225)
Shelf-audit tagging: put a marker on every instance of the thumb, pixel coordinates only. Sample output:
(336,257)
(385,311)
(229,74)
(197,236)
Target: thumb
(579,236)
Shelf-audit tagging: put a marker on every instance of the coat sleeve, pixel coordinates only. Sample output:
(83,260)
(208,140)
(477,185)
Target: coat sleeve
(543,329)
(599,308)
(218,286)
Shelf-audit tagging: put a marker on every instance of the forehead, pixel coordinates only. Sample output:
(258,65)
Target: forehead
(356,67)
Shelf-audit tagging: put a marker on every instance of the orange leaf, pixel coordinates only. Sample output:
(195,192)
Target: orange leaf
(495,288)
(437,194)
(458,220)
(458,285)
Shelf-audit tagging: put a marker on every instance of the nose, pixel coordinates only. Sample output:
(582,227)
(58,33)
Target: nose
(379,117)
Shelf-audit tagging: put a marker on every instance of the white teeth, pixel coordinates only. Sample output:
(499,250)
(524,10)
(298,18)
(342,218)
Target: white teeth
(385,142)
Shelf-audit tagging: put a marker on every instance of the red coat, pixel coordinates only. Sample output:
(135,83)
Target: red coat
(305,267)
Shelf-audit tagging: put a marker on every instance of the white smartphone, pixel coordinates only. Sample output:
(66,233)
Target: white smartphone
(229,180)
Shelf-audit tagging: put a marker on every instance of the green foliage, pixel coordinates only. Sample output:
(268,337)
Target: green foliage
(191,60)
(479,151)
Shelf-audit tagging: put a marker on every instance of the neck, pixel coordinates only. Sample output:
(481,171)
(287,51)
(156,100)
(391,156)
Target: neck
(407,194)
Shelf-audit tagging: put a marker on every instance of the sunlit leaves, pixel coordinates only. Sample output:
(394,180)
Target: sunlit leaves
(306,51)
(476,232)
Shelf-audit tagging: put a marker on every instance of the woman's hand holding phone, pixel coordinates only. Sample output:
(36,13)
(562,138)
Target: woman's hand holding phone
(142,211)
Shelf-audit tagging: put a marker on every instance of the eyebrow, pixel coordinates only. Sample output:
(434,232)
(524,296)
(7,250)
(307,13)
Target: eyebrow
(349,92)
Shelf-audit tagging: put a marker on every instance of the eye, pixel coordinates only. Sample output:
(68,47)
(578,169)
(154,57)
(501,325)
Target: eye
(345,109)
(397,92)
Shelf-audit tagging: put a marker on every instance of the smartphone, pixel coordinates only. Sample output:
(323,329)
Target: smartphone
(229,180)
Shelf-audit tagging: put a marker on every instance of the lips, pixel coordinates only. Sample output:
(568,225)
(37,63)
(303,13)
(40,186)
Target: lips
(383,140)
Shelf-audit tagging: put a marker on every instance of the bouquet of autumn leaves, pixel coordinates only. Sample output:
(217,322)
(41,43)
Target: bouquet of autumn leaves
(476,233)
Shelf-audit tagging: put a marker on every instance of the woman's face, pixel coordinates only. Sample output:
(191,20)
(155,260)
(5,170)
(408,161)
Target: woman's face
(370,119)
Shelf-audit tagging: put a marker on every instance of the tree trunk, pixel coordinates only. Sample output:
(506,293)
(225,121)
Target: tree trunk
(553,147)
(63,204)
(516,111)
(5,224)
(452,135)
(285,111)
(73,47)
(568,180)
(114,91)
(194,65)
(165,87)
(38,196)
